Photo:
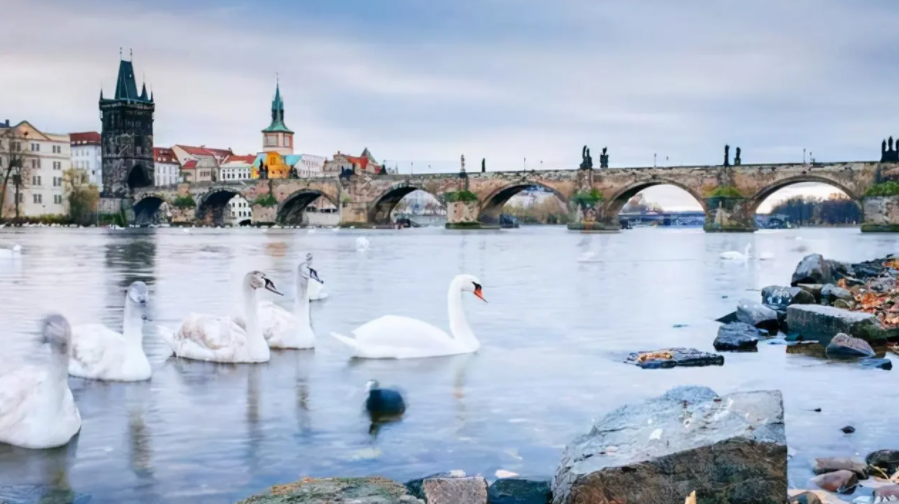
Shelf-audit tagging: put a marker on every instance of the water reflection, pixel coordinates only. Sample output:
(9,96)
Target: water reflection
(552,336)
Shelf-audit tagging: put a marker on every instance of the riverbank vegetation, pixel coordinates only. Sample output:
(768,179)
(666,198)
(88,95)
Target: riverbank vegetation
(809,210)
(547,211)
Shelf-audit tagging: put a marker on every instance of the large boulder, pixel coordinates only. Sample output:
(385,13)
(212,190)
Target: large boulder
(673,357)
(813,269)
(758,315)
(816,322)
(519,491)
(373,490)
(779,297)
(831,293)
(843,346)
(728,449)
(886,460)
(737,337)
(826,465)
(468,490)
(843,481)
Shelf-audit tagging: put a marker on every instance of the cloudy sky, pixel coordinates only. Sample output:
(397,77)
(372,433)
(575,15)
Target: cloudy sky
(507,80)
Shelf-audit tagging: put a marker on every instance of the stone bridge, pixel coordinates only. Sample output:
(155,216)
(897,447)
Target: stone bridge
(729,195)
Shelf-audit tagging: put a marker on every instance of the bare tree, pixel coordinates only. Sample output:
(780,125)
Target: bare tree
(14,165)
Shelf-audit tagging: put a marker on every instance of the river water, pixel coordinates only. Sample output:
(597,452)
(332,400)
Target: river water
(554,334)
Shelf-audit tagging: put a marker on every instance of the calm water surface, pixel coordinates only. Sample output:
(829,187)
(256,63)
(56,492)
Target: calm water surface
(553,336)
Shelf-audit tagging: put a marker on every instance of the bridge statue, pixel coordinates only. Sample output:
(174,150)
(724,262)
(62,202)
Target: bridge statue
(483,165)
(727,155)
(889,154)
(586,160)
(737,160)
(604,158)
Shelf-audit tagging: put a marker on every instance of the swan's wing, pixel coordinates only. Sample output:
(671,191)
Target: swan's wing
(16,386)
(275,321)
(91,345)
(315,290)
(207,337)
(401,332)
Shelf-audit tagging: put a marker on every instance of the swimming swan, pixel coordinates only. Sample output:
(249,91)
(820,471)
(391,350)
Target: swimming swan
(362,243)
(99,353)
(225,339)
(395,337)
(15,251)
(733,255)
(37,410)
(285,329)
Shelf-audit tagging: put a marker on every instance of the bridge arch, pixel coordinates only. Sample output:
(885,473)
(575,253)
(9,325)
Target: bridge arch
(765,192)
(614,203)
(211,206)
(291,210)
(492,205)
(147,208)
(384,203)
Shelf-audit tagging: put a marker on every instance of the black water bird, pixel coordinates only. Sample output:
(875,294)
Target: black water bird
(383,403)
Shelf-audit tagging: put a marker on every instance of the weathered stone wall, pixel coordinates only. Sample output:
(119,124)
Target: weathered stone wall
(127,144)
(461,214)
(880,214)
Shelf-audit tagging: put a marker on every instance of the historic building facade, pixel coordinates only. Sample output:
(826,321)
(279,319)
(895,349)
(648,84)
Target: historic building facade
(42,160)
(87,155)
(127,136)
(166,170)
(277,137)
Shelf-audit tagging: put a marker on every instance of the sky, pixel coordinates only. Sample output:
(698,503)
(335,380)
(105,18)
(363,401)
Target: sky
(518,82)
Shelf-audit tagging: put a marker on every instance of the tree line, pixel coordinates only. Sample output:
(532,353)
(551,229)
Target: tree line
(811,210)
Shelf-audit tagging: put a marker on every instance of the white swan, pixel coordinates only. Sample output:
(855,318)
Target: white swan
(100,353)
(316,290)
(15,251)
(225,339)
(394,337)
(362,243)
(284,329)
(733,255)
(766,256)
(37,409)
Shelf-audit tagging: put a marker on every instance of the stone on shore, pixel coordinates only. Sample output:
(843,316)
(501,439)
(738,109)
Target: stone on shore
(886,460)
(758,315)
(519,491)
(885,364)
(826,465)
(728,449)
(805,498)
(831,293)
(843,346)
(887,493)
(372,490)
(466,490)
(843,482)
(779,297)
(813,269)
(673,357)
(822,323)
(737,337)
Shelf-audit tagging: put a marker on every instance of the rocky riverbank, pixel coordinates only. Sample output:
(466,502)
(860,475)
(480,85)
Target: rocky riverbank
(690,444)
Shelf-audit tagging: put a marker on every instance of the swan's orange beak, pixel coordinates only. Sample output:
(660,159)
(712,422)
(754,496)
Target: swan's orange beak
(477,292)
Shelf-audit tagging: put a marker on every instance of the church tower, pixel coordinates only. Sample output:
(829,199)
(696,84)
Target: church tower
(127,136)
(277,137)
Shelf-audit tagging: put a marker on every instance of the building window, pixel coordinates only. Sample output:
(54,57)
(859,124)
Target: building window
(36,163)
(37,198)
(35,147)
(57,198)
(57,165)
(21,197)
(36,180)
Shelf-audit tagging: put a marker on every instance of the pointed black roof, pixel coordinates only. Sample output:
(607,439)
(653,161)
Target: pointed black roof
(126,86)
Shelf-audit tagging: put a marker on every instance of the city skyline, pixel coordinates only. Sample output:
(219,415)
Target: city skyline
(769,78)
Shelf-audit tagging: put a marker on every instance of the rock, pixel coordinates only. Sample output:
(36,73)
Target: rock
(826,465)
(813,289)
(758,315)
(374,490)
(737,337)
(810,348)
(822,496)
(728,449)
(519,491)
(848,429)
(812,269)
(887,460)
(885,364)
(672,357)
(778,297)
(468,490)
(727,319)
(886,493)
(843,482)
(843,346)
(822,323)
(416,486)
(831,293)
(843,304)
(805,498)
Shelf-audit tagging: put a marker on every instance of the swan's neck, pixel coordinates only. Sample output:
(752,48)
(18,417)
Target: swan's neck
(301,302)
(458,324)
(58,373)
(132,327)
(256,343)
